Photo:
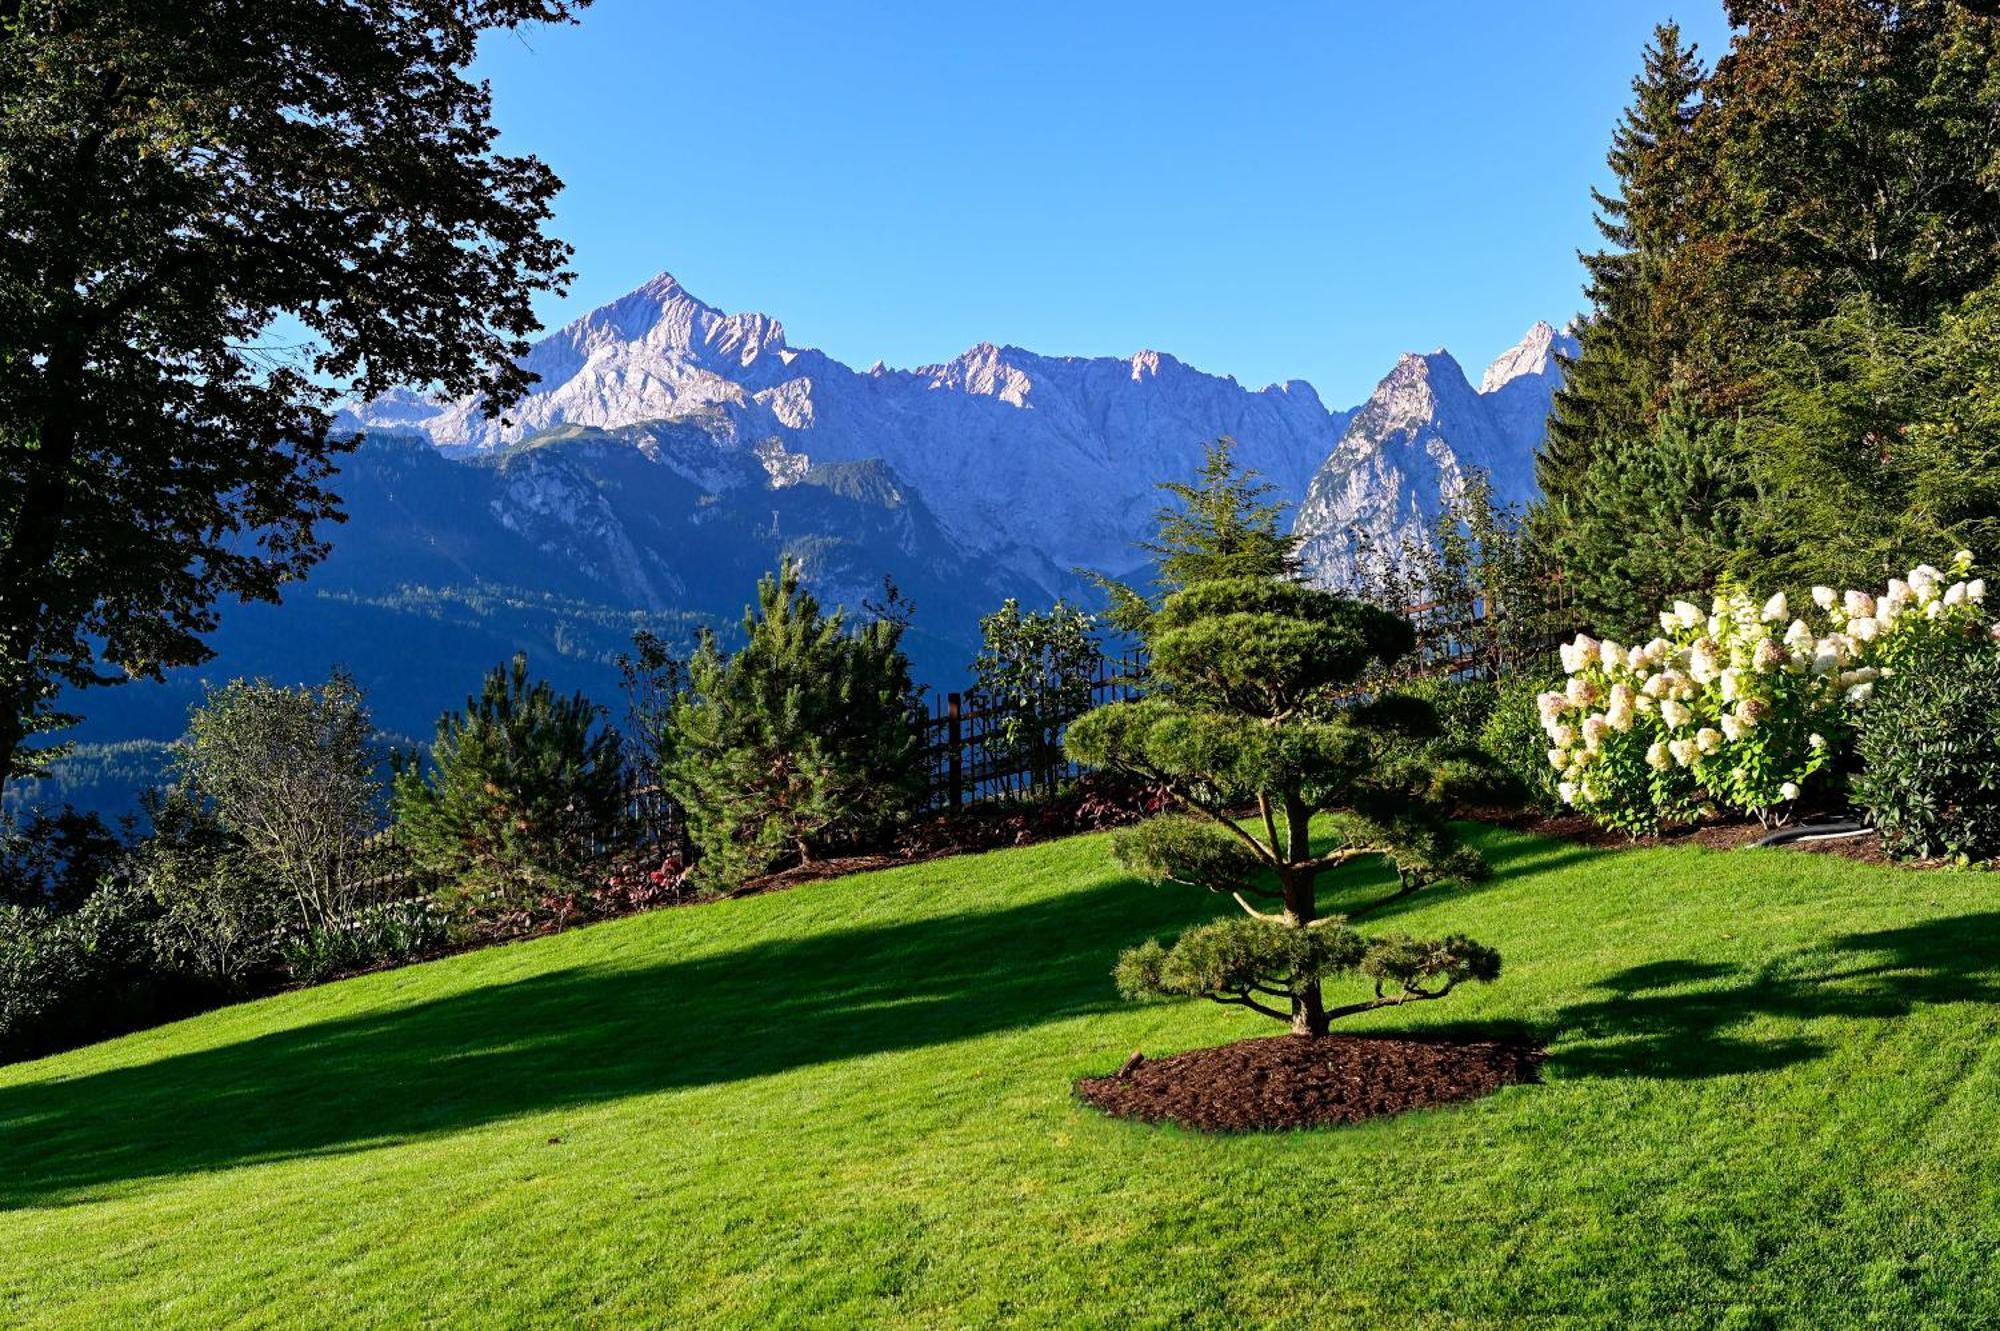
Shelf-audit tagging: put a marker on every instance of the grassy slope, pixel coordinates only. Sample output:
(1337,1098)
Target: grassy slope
(1771,1103)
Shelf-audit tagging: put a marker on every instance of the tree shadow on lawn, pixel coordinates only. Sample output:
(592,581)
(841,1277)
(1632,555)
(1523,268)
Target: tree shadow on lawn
(1366,888)
(579,1036)
(1679,1019)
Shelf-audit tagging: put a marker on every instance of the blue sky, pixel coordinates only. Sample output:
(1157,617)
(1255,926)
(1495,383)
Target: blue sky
(1268,190)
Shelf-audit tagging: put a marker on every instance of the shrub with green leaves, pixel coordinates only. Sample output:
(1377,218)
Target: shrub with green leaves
(74,976)
(386,933)
(1036,668)
(1929,746)
(1463,706)
(219,912)
(291,775)
(524,791)
(1513,736)
(802,738)
(1742,707)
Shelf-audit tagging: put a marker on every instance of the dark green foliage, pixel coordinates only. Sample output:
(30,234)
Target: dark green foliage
(220,221)
(1929,745)
(1877,440)
(1514,738)
(56,859)
(79,975)
(1462,706)
(1180,849)
(1613,389)
(1250,704)
(1786,374)
(1258,963)
(1262,647)
(1664,515)
(523,792)
(805,734)
(219,911)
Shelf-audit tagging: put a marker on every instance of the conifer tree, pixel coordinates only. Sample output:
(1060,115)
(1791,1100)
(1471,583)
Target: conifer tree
(1616,385)
(1248,672)
(805,733)
(1664,517)
(524,789)
(1223,524)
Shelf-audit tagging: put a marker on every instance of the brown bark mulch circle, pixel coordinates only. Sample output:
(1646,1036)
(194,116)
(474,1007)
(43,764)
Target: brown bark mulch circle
(1296,1081)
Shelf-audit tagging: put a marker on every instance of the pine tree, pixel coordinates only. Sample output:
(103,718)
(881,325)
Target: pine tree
(1248,671)
(1250,675)
(804,733)
(524,790)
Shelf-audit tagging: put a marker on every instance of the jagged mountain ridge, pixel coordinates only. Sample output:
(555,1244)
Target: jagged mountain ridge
(1039,464)
(1414,444)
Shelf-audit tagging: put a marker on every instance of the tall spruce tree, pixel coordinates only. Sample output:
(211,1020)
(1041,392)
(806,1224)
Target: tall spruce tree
(1607,498)
(1616,382)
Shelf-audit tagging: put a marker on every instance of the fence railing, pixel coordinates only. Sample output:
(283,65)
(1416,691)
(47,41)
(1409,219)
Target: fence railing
(977,748)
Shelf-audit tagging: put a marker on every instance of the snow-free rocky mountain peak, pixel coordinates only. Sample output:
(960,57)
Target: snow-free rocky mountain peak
(1036,465)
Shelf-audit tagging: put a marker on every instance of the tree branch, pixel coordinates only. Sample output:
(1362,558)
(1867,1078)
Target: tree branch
(1243,999)
(1256,914)
(1409,995)
(1225,821)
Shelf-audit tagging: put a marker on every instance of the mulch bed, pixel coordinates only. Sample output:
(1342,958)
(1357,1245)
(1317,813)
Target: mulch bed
(1295,1081)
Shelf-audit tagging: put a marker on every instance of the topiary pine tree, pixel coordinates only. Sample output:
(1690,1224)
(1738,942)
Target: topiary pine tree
(808,728)
(1247,673)
(525,789)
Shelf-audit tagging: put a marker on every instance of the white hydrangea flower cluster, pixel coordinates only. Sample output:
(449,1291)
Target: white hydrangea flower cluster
(1736,705)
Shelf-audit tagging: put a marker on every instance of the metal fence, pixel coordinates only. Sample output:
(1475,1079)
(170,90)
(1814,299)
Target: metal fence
(977,748)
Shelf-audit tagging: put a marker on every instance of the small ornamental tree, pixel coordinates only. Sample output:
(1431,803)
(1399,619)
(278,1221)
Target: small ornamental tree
(524,790)
(805,733)
(1036,667)
(1247,671)
(290,773)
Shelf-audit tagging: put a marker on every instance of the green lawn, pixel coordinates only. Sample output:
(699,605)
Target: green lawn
(1773,1100)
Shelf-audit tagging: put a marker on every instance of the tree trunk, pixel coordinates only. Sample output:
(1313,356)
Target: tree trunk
(1301,909)
(1308,1011)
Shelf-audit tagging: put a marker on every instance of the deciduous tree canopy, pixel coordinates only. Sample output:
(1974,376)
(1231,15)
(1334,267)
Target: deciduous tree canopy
(219,218)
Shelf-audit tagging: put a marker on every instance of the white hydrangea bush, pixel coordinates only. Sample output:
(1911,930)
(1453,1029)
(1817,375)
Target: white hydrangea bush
(1742,706)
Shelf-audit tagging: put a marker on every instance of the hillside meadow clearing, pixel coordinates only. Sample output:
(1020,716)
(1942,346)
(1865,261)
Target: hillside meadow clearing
(1769,1101)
